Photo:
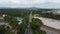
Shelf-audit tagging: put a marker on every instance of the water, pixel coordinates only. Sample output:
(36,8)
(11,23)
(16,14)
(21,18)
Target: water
(49,30)
(50,22)
(53,25)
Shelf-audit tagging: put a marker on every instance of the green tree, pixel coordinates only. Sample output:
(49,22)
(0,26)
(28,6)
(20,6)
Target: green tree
(2,29)
(7,18)
(13,22)
(35,25)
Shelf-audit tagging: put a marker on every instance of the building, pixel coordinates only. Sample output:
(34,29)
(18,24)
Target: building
(55,11)
(2,19)
(20,20)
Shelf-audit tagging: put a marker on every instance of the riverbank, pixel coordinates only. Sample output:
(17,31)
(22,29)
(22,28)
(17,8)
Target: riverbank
(50,22)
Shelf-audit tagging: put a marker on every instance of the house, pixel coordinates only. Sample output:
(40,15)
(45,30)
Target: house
(20,20)
(2,19)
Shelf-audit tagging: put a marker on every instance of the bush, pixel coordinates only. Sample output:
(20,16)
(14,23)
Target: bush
(38,32)
(36,23)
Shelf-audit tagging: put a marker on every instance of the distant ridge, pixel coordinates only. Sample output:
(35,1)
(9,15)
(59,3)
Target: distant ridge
(32,8)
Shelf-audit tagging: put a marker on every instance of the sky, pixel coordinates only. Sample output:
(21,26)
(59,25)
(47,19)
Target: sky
(30,3)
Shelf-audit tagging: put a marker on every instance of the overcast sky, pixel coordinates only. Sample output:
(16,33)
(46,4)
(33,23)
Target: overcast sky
(30,3)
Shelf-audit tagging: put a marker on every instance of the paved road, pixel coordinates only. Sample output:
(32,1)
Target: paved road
(29,30)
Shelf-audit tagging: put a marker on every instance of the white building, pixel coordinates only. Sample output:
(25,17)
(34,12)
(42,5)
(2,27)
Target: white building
(20,20)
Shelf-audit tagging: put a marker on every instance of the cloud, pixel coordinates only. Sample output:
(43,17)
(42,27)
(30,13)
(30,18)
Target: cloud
(26,3)
(21,1)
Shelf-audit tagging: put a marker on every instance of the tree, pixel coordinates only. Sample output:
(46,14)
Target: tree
(22,27)
(2,29)
(7,18)
(12,21)
(35,25)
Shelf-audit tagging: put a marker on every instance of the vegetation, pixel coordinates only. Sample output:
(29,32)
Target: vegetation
(35,25)
(24,13)
(12,24)
(15,12)
(8,32)
(21,12)
(2,30)
(50,15)
(12,21)
(38,32)
(22,27)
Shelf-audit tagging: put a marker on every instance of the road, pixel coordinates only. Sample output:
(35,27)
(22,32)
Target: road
(29,30)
